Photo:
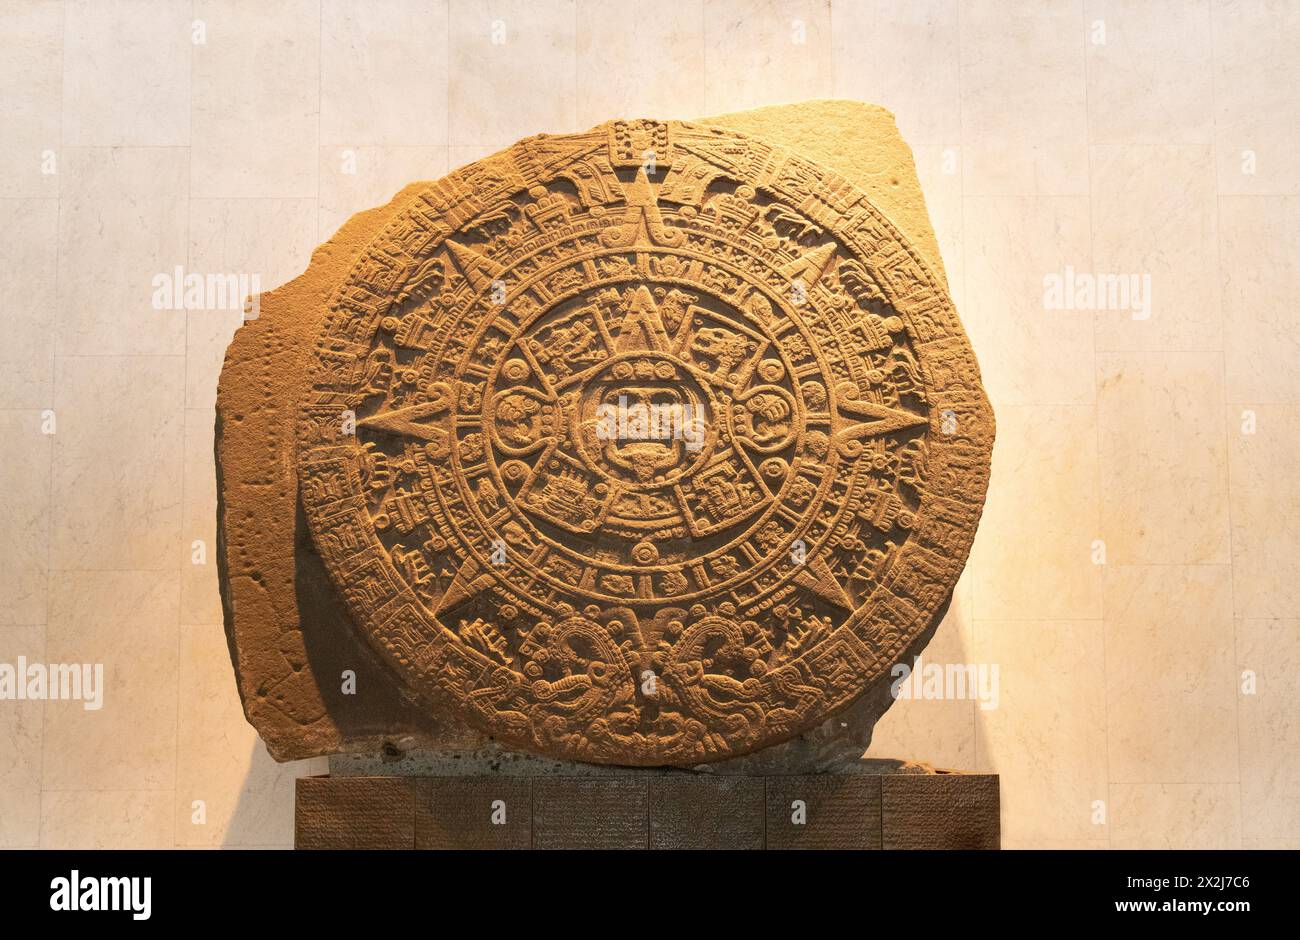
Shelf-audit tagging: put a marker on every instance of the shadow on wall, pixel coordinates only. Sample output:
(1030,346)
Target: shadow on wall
(263,813)
(936,716)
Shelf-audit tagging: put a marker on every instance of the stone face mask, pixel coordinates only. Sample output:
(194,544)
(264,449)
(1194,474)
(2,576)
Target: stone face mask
(575,582)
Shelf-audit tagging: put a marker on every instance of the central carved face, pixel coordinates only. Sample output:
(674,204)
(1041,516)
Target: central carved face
(643,421)
(645,439)
(640,406)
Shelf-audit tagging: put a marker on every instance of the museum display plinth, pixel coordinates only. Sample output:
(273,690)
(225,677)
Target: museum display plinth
(866,811)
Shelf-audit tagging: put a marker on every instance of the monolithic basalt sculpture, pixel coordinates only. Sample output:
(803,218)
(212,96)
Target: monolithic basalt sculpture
(653,445)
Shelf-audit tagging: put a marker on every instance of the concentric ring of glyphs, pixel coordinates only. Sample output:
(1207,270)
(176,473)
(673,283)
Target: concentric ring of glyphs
(775,500)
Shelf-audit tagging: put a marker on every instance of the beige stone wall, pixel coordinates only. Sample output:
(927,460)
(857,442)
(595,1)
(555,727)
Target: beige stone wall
(1140,138)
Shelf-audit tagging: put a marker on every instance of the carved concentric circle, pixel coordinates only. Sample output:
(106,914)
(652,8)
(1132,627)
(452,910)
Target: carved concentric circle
(650,445)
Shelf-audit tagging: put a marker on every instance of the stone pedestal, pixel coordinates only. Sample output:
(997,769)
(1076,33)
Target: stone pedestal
(678,811)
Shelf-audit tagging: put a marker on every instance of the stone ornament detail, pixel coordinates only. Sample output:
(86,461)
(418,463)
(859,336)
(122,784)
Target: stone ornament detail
(650,445)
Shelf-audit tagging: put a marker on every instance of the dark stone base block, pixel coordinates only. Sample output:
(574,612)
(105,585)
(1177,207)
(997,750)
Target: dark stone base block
(589,813)
(940,811)
(828,811)
(473,813)
(823,812)
(354,813)
(706,813)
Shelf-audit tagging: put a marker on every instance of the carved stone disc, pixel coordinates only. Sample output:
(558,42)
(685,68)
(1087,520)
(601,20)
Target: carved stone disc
(649,445)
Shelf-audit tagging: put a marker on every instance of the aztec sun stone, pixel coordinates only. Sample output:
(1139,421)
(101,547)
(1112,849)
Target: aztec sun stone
(650,445)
